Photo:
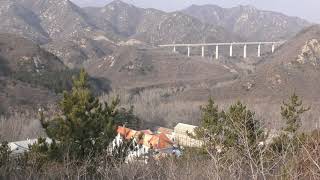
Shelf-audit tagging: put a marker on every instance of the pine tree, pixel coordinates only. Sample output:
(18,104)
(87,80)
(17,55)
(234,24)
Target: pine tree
(291,113)
(289,140)
(243,123)
(235,128)
(86,126)
(127,118)
(210,123)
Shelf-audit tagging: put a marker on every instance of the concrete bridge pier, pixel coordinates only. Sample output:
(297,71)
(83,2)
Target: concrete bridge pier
(202,51)
(231,51)
(259,50)
(174,49)
(188,51)
(273,47)
(217,52)
(245,51)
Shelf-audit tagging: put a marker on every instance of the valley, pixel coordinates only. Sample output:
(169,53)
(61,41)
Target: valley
(118,45)
(125,91)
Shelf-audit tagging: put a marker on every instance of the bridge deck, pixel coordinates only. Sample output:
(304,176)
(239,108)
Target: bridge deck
(220,44)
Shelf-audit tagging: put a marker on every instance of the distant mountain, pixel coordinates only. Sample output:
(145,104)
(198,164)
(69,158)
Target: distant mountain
(29,75)
(62,19)
(75,39)
(76,52)
(45,20)
(249,22)
(60,26)
(79,36)
(154,26)
(124,17)
(21,55)
(90,3)
(17,19)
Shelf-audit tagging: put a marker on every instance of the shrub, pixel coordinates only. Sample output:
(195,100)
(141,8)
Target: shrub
(4,153)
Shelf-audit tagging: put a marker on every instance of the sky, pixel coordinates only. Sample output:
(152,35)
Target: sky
(307,9)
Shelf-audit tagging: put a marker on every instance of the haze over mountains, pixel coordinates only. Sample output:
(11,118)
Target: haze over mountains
(118,43)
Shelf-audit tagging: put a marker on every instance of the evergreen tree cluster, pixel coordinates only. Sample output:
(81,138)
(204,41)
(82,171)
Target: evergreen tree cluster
(235,127)
(238,128)
(291,113)
(290,139)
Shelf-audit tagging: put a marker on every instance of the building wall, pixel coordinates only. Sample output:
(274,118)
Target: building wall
(182,138)
(185,140)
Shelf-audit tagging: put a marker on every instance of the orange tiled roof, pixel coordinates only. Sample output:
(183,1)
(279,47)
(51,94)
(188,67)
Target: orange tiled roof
(131,134)
(147,131)
(164,142)
(123,131)
(157,141)
(165,130)
(146,139)
(127,133)
(160,141)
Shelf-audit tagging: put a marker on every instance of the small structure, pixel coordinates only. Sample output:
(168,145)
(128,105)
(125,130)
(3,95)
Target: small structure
(143,141)
(182,133)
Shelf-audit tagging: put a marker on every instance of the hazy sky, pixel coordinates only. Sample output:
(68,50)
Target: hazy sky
(308,9)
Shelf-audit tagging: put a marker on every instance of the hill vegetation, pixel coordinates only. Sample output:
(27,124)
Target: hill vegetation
(235,145)
(248,129)
(31,76)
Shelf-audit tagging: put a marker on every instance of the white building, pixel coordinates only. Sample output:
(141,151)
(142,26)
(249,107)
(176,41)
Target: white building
(182,134)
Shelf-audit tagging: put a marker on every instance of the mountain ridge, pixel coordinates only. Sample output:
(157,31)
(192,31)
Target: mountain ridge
(249,21)
(154,26)
(294,67)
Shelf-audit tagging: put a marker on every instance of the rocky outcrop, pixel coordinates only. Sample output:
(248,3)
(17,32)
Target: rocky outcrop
(310,53)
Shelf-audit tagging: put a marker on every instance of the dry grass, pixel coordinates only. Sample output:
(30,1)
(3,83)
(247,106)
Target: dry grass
(302,163)
(165,107)
(23,124)
(159,107)
(20,126)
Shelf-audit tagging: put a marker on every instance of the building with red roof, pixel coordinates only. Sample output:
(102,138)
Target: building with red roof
(144,141)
